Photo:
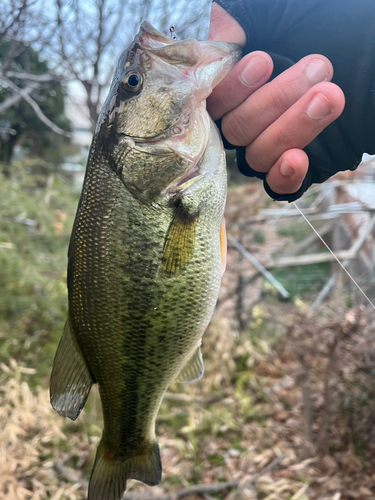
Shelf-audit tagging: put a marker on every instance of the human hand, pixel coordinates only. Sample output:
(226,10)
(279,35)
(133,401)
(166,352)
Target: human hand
(273,120)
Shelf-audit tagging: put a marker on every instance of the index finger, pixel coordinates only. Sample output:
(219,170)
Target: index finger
(224,28)
(247,76)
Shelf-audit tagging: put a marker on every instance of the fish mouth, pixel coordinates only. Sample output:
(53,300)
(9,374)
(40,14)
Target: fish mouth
(209,62)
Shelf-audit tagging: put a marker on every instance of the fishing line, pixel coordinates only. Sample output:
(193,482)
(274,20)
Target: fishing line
(327,247)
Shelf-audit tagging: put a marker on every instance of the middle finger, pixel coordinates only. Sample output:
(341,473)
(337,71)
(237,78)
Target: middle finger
(246,122)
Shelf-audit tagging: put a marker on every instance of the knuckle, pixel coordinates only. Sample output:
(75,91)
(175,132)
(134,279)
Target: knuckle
(234,128)
(284,98)
(256,160)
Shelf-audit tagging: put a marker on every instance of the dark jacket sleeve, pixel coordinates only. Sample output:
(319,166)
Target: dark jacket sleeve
(343,31)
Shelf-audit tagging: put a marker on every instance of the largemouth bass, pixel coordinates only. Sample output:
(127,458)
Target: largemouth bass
(146,252)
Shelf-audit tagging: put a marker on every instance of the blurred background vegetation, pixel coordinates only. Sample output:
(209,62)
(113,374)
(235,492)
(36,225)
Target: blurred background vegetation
(286,406)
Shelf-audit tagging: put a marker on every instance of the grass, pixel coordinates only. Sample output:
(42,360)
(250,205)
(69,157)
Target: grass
(296,231)
(35,225)
(302,280)
(259,236)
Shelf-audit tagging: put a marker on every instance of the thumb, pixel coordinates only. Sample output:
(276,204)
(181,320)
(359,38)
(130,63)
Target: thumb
(224,28)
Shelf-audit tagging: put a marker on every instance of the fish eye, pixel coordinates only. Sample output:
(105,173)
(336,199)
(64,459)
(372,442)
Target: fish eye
(132,82)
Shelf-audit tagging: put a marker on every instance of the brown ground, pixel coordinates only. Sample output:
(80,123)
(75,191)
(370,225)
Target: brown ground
(291,389)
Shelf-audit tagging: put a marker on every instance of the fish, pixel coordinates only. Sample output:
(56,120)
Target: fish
(147,250)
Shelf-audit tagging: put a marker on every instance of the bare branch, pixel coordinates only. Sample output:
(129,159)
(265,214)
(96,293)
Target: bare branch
(7,131)
(88,36)
(35,107)
(15,50)
(13,99)
(35,78)
(14,18)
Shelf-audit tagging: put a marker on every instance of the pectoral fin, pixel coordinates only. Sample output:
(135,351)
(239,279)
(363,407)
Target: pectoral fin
(194,368)
(179,242)
(71,380)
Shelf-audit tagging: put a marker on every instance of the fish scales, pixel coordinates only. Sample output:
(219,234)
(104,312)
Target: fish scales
(156,328)
(145,256)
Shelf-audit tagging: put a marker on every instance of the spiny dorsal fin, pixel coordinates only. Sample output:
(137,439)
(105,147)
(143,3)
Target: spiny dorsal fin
(194,368)
(179,242)
(71,380)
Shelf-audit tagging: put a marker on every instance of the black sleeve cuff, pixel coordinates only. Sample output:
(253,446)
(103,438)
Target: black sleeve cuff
(245,169)
(321,167)
(293,196)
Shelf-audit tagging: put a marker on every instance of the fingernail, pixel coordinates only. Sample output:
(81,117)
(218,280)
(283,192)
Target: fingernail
(319,107)
(317,71)
(254,71)
(286,169)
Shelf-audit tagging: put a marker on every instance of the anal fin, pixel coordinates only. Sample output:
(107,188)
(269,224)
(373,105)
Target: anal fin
(110,472)
(71,380)
(194,368)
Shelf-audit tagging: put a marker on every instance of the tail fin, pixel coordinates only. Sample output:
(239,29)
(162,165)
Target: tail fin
(109,474)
